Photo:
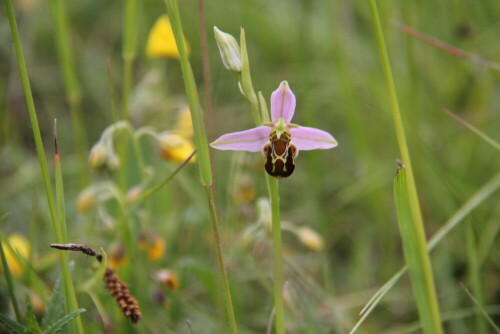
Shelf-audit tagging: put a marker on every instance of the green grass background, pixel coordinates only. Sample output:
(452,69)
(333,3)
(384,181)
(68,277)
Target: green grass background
(327,52)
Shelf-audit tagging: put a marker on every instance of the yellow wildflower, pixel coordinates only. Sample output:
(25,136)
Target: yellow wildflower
(175,147)
(161,40)
(167,278)
(184,123)
(20,245)
(153,244)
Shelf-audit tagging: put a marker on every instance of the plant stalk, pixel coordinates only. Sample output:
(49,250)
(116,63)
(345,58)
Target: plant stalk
(277,255)
(422,273)
(202,148)
(71,85)
(69,293)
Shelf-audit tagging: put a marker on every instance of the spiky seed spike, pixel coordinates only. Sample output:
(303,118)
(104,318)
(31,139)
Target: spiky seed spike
(119,291)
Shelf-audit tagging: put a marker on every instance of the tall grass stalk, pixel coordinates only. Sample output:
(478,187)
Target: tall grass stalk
(69,293)
(202,148)
(71,85)
(418,257)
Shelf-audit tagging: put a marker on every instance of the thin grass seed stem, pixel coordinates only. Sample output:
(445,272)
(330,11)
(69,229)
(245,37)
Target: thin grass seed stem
(69,292)
(153,190)
(429,312)
(202,148)
(71,84)
(478,132)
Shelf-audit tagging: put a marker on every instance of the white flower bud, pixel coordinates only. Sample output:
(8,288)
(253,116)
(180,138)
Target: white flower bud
(229,50)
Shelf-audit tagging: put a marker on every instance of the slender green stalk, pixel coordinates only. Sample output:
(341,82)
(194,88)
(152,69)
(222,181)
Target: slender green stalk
(277,255)
(261,115)
(201,143)
(70,298)
(61,210)
(482,310)
(10,281)
(422,277)
(475,274)
(154,189)
(246,80)
(471,127)
(206,67)
(71,84)
(128,51)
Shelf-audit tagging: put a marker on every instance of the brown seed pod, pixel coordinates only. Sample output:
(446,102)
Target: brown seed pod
(121,294)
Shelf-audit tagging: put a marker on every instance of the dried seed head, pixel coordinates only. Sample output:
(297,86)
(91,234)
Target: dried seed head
(75,247)
(119,291)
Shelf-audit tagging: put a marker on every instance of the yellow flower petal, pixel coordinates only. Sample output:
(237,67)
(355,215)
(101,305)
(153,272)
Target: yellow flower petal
(157,248)
(175,147)
(161,40)
(22,247)
(184,123)
(167,278)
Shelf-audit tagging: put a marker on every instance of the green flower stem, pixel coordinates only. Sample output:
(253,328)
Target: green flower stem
(201,143)
(128,51)
(277,255)
(69,294)
(421,274)
(261,115)
(154,189)
(246,80)
(71,84)
(10,281)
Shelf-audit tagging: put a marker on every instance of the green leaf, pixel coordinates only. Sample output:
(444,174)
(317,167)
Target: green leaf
(31,322)
(416,256)
(11,325)
(55,308)
(59,324)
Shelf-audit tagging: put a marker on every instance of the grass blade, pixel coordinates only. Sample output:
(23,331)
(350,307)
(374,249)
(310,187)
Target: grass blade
(417,258)
(410,218)
(481,309)
(56,224)
(471,127)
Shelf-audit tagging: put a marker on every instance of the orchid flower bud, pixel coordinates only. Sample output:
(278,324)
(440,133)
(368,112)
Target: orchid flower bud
(229,50)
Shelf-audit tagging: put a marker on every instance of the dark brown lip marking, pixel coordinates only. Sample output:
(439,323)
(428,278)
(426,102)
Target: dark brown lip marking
(280,154)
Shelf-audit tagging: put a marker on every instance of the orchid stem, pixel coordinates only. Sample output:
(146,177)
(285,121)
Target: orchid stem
(277,255)
(260,115)
(202,148)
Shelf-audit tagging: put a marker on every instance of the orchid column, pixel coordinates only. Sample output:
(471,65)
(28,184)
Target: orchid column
(278,140)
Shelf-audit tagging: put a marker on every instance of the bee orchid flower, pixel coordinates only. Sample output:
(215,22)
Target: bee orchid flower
(279,141)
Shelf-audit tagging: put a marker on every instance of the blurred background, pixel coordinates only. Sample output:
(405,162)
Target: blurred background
(341,239)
